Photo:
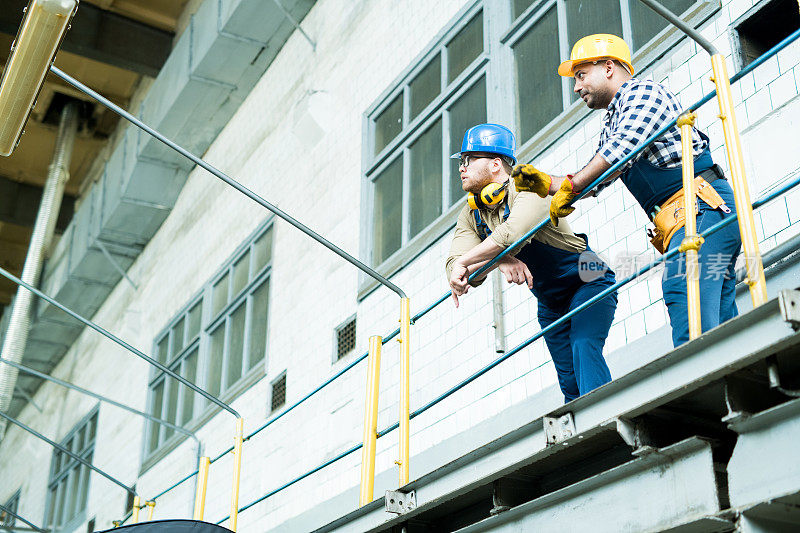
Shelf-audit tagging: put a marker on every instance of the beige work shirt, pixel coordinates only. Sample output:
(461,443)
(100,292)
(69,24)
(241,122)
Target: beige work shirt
(527,209)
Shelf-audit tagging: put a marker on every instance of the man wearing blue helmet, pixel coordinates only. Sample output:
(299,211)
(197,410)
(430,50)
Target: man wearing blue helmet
(555,263)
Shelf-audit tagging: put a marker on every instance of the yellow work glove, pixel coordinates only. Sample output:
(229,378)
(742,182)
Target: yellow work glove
(528,178)
(559,205)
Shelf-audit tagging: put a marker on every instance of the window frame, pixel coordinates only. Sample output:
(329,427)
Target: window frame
(500,32)
(58,475)
(643,58)
(11,503)
(399,147)
(202,410)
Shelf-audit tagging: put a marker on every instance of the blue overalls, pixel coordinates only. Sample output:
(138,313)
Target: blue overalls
(562,281)
(651,185)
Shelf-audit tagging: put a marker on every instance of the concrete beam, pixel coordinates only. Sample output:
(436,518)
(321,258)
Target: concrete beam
(104,36)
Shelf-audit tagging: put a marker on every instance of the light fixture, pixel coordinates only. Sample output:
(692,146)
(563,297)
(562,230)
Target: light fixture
(42,30)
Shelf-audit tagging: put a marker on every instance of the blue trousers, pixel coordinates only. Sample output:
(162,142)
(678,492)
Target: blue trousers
(717,260)
(576,346)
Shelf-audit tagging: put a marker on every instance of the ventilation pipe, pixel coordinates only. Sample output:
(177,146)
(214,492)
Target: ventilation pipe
(57,175)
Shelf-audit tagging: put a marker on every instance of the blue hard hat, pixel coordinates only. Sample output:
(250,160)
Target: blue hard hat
(490,138)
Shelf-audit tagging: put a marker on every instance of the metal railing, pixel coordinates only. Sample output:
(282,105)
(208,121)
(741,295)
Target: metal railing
(420,314)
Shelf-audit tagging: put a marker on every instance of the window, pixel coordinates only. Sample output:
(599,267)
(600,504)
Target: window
(345,338)
(414,131)
(495,62)
(217,341)
(764,26)
(547,35)
(12,504)
(68,487)
(278,392)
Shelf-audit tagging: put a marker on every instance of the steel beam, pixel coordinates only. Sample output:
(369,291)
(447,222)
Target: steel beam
(104,36)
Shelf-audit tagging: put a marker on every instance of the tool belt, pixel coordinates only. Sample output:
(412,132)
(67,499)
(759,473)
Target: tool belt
(671,215)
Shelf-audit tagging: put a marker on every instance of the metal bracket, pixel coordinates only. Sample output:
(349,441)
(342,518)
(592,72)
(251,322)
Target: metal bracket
(558,429)
(789,304)
(400,502)
(635,435)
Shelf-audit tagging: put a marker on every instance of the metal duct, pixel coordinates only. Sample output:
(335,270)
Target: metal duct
(57,175)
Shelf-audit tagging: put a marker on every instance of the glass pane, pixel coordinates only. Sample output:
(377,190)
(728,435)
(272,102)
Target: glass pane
(538,86)
(522,5)
(468,111)
(236,346)
(215,359)
(262,250)
(426,178)
(163,349)
(56,463)
(189,372)
(585,17)
(177,337)
(158,400)
(426,86)
(171,414)
(59,505)
(241,271)
(76,442)
(52,510)
(220,295)
(389,123)
(193,323)
(388,211)
(258,325)
(90,434)
(465,47)
(83,488)
(646,23)
(72,493)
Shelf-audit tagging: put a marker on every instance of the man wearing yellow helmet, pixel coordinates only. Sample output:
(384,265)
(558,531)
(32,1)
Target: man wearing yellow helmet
(634,110)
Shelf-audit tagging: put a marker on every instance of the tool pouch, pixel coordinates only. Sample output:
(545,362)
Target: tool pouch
(672,216)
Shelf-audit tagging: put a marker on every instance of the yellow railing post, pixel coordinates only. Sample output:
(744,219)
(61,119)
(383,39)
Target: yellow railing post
(733,147)
(202,483)
(405,373)
(151,509)
(692,241)
(370,421)
(135,510)
(237,470)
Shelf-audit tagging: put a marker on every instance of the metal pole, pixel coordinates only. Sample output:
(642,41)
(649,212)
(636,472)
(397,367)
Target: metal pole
(200,494)
(498,312)
(370,421)
(102,398)
(18,517)
(692,241)
(237,469)
(6,274)
(733,147)
(233,183)
(136,504)
(16,338)
(66,451)
(405,374)
(151,509)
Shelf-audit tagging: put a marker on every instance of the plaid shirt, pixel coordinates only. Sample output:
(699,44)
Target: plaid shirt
(637,111)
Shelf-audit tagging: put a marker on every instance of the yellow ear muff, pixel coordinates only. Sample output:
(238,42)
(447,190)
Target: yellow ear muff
(492,194)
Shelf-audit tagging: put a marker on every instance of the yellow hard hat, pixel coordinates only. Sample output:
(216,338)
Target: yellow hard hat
(594,47)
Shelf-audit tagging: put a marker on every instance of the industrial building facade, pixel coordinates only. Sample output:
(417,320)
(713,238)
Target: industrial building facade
(346,123)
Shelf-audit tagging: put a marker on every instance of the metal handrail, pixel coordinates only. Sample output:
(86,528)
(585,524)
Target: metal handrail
(233,183)
(6,274)
(773,51)
(736,77)
(62,449)
(521,346)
